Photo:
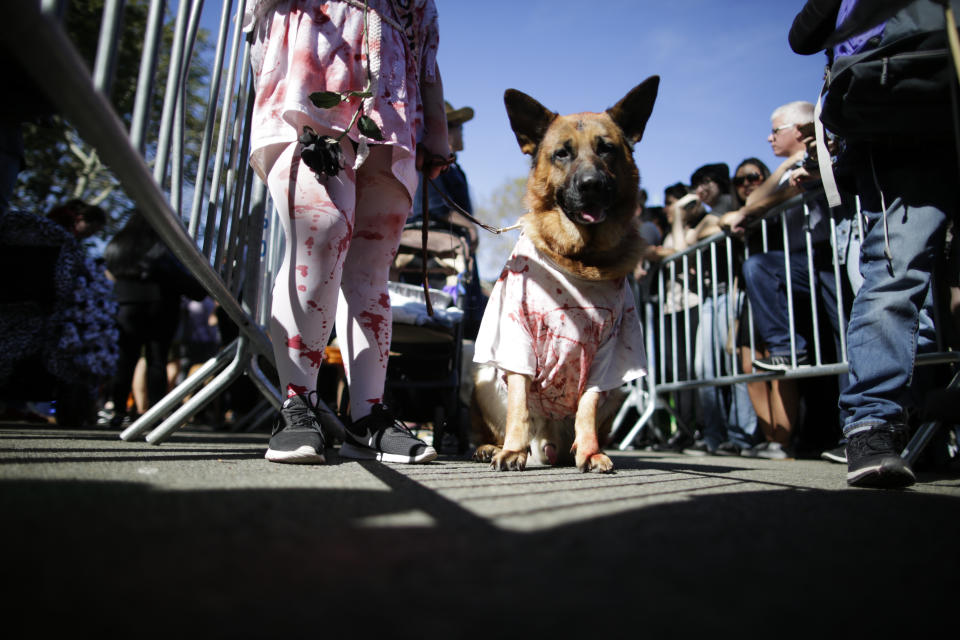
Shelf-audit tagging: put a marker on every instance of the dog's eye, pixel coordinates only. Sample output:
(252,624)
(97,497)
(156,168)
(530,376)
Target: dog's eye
(561,154)
(604,147)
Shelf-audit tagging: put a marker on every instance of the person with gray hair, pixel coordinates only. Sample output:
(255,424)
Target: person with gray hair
(765,274)
(794,113)
(787,140)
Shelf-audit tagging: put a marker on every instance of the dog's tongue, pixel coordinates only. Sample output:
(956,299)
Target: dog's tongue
(592,216)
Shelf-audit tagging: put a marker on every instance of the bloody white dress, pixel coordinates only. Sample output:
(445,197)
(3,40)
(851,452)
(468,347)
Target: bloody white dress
(569,334)
(303,46)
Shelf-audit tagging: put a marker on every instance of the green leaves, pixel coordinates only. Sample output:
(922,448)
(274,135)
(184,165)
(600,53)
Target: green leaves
(320,149)
(326,99)
(369,128)
(358,94)
(330,99)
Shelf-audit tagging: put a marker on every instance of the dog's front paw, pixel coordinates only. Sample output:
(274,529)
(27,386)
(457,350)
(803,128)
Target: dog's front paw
(506,460)
(485,452)
(597,462)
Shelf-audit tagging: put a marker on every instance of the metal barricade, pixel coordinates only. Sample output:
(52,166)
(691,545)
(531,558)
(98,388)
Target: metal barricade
(679,288)
(225,239)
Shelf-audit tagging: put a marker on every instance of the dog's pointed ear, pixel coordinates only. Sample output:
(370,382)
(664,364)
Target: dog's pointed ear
(633,111)
(528,118)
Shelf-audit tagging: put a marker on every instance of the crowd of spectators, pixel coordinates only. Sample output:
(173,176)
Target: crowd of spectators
(711,331)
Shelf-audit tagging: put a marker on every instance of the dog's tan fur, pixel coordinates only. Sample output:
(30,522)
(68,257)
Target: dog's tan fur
(563,148)
(550,441)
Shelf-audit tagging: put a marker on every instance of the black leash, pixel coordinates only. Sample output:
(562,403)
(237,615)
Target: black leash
(424,231)
(434,160)
(447,200)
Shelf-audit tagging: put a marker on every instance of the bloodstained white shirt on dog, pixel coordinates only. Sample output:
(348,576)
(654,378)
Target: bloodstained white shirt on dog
(569,334)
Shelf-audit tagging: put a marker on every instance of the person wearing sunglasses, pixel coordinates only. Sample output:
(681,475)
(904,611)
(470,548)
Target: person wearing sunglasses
(786,141)
(749,175)
(774,401)
(765,276)
(726,414)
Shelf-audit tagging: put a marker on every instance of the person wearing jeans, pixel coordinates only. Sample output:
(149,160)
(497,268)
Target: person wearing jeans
(890,322)
(765,275)
(729,421)
(766,278)
(727,415)
(907,188)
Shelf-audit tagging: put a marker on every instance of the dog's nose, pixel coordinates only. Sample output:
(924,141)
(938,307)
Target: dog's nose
(590,182)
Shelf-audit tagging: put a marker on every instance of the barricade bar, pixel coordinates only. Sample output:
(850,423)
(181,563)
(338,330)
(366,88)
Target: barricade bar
(669,359)
(42,47)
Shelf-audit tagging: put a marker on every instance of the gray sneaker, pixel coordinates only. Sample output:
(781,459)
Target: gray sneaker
(767,451)
(380,436)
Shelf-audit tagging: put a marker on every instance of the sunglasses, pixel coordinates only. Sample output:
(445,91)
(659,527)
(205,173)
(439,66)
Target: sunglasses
(739,181)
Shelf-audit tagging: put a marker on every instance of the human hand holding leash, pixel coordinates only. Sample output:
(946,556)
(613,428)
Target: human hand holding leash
(431,163)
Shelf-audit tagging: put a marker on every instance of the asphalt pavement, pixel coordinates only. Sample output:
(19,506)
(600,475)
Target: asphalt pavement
(200,536)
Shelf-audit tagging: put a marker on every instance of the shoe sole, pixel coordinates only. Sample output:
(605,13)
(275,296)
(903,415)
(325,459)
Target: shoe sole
(348,450)
(301,455)
(778,367)
(726,453)
(771,367)
(832,457)
(754,456)
(884,475)
(747,453)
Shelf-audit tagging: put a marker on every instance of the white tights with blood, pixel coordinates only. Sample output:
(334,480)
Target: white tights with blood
(341,237)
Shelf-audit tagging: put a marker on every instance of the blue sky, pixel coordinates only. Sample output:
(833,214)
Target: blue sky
(724,67)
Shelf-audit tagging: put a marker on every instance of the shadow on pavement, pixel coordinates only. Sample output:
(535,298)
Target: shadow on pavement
(122,559)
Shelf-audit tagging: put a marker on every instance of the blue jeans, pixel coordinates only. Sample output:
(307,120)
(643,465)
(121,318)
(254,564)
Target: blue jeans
(765,278)
(890,320)
(726,412)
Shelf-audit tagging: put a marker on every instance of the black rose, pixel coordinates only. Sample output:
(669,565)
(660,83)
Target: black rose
(321,154)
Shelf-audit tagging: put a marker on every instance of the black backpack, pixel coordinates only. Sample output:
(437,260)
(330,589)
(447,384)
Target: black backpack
(899,90)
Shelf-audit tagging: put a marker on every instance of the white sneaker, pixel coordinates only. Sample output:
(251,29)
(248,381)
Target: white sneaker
(767,451)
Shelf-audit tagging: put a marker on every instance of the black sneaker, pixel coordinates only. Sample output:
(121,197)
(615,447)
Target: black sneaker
(382,437)
(297,436)
(677,442)
(873,459)
(728,448)
(838,454)
(781,363)
(120,420)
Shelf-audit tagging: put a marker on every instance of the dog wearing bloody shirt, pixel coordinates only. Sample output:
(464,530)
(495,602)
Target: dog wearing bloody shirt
(561,333)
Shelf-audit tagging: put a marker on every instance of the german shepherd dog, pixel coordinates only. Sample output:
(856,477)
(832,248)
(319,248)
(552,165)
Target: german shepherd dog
(581,222)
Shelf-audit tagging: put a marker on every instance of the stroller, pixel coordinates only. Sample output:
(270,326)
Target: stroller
(424,374)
